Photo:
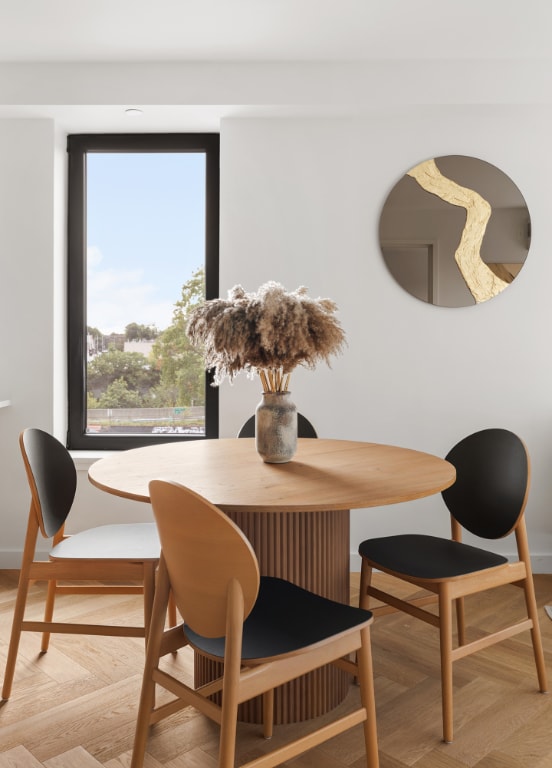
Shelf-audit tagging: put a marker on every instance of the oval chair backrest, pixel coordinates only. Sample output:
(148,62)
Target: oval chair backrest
(304,427)
(52,478)
(203,551)
(492,482)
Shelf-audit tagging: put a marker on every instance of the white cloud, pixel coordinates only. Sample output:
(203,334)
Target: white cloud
(93,256)
(117,298)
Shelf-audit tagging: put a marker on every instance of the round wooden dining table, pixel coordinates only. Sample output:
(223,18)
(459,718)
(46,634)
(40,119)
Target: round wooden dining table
(296,516)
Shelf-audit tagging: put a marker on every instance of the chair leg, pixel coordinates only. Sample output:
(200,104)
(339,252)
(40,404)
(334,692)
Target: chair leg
(531,603)
(20,601)
(171,611)
(532,612)
(48,612)
(231,679)
(149,592)
(366,682)
(445,628)
(365,581)
(153,649)
(364,598)
(460,620)
(18,614)
(268,713)
(228,727)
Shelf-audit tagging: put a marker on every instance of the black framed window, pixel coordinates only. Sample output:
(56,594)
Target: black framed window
(143,245)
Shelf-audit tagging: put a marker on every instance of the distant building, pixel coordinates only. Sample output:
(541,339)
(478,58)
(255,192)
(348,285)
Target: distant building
(144,347)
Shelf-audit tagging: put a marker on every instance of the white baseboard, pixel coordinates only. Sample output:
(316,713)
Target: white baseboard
(541,564)
(10,559)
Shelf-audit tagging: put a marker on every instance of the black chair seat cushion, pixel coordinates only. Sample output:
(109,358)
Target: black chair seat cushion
(427,557)
(284,619)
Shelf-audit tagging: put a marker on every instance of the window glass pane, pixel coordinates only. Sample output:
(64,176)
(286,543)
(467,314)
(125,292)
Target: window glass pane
(145,240)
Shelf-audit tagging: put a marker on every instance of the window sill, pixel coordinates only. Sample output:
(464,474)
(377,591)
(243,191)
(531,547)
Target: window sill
(83,460)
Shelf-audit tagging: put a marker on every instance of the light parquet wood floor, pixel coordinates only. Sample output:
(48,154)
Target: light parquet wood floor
(75,706)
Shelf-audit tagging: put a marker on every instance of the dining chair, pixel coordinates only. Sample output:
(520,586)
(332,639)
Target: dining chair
(304,427)
(264,630)
(126,555)
(488,499)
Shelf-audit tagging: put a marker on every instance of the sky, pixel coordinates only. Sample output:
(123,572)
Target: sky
(145,235)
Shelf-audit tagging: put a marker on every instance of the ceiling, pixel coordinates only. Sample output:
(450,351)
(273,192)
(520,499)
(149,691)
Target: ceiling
(35,33)
(275,30)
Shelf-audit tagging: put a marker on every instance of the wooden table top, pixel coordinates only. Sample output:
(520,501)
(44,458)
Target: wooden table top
(323,475)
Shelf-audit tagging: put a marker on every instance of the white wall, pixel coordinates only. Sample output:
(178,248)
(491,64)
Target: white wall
(300,203)
(26,308)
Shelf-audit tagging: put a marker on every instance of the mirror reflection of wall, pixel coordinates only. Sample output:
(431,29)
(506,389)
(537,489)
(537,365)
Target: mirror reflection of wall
(454,231)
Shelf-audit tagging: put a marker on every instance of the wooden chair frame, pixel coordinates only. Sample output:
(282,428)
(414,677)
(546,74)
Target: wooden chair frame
(138,576)
(449,591)
(241,680)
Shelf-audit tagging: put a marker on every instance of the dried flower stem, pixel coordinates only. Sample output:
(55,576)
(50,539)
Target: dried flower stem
(264,381)
(274,380)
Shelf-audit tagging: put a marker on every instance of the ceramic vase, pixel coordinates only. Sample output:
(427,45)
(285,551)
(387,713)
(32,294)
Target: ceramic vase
(276,428)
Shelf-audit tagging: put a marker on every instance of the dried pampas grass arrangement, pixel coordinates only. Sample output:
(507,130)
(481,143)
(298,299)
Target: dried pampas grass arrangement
(269,332)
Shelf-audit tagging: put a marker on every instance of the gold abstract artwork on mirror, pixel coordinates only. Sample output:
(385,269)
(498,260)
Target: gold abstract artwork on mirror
(454,231)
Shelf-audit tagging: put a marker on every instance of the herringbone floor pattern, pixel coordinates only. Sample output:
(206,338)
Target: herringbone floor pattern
(75,706)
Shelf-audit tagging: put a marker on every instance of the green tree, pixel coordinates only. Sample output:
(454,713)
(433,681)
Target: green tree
(118,395)
(138,332)
(93,331)
(91,401)
(115,341)
(95,339)
(180,365)
(133,367)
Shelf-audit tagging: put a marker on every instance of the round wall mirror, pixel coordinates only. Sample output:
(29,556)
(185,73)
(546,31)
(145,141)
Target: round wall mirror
(455,231)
